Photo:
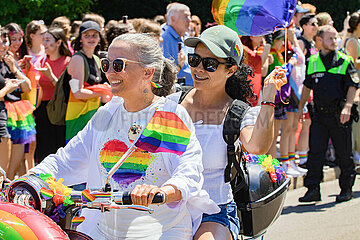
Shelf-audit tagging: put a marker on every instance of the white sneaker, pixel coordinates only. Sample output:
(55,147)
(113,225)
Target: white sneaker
(303,171)
(290,171)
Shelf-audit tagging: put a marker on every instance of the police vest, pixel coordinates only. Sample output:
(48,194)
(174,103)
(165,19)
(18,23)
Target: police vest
(316,65)
(329,86)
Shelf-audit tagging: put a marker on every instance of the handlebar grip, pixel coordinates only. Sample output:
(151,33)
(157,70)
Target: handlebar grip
(158,198)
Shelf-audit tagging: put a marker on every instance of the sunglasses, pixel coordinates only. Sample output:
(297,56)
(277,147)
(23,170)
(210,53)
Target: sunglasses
(118,64)
(209,64)
(314,24)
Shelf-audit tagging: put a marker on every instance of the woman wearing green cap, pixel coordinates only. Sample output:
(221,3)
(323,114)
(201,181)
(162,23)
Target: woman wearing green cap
(220,77)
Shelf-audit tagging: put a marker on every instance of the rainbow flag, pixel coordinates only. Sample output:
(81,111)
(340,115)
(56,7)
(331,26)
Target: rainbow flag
(253,17)
(78,113)
(165,132)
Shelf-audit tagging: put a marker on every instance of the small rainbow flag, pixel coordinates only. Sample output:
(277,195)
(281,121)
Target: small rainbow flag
(237,51)
(165,132)
(87,196)
(47,194)
(77,220)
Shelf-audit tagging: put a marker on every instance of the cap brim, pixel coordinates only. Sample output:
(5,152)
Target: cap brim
(91,29)
(214,48)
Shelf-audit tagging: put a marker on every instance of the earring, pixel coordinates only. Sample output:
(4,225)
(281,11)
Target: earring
(155,85)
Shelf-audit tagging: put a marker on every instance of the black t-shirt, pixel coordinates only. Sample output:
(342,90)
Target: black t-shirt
(5,72)
(328,88)
(96,75)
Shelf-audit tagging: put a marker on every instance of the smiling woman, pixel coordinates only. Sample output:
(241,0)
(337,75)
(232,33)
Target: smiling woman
(170,163)
(84,71)
(219,78)
(52,66)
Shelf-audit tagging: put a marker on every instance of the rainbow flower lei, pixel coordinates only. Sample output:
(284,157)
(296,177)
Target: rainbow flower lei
(59,193)
(271,165)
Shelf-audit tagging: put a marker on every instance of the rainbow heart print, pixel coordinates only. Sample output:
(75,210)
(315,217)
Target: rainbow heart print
(132,169)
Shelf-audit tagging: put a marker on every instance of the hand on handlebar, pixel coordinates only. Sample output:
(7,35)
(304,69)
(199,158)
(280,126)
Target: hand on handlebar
(144,194)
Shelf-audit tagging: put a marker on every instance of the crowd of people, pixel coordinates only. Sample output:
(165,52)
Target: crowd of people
(131,66)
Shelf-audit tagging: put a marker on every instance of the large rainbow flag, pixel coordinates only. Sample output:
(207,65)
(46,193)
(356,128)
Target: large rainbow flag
(253,17)
(165,132)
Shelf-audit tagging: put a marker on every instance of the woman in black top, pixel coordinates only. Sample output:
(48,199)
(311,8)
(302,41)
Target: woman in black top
(86,44)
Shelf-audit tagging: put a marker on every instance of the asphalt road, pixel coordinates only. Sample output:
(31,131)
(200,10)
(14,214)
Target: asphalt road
(325,220)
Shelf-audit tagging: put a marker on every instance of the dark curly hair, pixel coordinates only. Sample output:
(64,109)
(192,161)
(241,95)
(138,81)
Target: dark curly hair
(238,86)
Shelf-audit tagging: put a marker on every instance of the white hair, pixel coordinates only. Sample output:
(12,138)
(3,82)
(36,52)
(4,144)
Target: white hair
(150,55)
(174,11)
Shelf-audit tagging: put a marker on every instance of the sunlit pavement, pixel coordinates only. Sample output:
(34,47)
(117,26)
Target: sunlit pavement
(325,220)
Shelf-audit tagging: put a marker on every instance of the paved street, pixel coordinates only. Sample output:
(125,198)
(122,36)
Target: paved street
(325,220)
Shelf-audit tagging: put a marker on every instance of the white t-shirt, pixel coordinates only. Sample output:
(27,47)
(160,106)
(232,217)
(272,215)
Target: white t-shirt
(215,156)
(91,154)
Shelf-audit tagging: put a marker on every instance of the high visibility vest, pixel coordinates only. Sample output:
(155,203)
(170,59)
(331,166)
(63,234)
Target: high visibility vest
(316,65)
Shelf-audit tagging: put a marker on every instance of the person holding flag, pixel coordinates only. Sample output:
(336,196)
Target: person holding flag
(157,138)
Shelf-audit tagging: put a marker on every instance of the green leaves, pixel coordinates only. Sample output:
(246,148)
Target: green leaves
(23,11)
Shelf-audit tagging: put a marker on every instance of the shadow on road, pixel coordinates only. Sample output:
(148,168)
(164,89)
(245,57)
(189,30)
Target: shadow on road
(313,207)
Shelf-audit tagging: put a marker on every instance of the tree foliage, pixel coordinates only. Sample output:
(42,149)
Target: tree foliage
(23,11)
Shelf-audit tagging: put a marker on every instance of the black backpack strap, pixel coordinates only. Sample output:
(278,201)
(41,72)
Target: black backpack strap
(231,132)
(184,91)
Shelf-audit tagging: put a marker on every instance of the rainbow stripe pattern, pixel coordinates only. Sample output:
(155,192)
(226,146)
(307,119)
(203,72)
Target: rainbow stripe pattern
(291,156)
(284,158)
(77,220)
(132,169)
(20,122)
(165,132)
(237,51)
(78,113)
(101,195)
(86,196)
(253,18)
(155,85)
(46,193)
(303,156)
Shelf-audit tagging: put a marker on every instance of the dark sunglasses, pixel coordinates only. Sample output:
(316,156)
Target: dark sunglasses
(118,64)
(209,64)
(314,24)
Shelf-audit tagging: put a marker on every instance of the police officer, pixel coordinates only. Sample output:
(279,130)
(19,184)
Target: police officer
(332,77)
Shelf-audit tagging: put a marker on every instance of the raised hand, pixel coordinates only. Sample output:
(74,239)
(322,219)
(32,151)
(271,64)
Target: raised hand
(46,71)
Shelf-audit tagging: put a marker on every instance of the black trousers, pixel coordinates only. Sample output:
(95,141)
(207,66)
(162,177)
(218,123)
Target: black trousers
(49,137)
(323,127)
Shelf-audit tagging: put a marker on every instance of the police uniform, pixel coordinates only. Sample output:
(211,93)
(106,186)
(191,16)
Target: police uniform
(330,77)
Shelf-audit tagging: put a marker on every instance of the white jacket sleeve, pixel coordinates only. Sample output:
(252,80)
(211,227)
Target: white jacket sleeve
(71,162)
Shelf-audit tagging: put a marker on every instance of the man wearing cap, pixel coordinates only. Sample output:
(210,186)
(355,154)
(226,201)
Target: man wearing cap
(333,78)
(178,17)
(299,13)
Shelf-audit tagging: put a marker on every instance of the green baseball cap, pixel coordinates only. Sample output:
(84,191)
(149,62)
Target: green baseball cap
(222,41)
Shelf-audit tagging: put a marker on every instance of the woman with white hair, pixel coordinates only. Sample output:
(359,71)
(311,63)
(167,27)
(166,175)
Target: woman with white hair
(139,76)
